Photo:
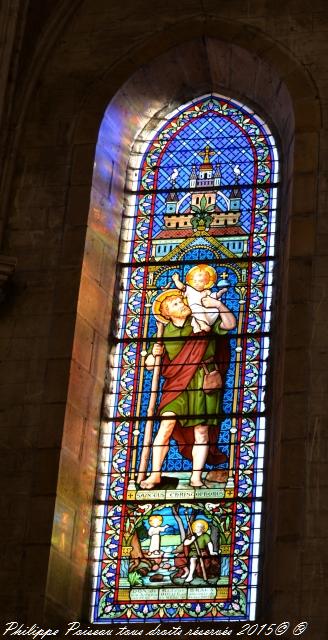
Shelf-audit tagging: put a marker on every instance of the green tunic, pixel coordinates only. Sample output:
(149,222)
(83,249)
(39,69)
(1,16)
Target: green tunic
(202,542)
(193,401)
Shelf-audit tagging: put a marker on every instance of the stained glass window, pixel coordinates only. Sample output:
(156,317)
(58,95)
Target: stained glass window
(179,492)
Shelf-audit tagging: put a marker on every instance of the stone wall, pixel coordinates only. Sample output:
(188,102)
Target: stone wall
(124,61)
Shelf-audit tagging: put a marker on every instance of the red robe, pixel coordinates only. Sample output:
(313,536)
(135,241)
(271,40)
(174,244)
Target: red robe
(178,373)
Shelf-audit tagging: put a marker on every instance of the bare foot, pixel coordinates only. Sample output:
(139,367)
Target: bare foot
(189,579)
(196,481)
(152,481)
(198,486)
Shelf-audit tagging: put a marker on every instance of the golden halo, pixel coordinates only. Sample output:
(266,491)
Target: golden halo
(158,301)
(203,267)
(155,516)
(204,523)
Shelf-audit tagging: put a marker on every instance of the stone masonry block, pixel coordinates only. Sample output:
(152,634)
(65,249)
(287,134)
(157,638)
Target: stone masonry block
(50,432)
(290,522)
(288,569)
(56,382)
(80,388)
(299,318)
(296,370)
(41,513)
(320,266)
(307,114)
(99,357)
(82,168)
(302,235)
(45,474)
(93,305)
(35,566)
(87,128)
(18,437)
(299,280)
(69,481)
(108,269)
(93,255)
(73,247)
(299,85)
(84,338)
(78,205)
(304,193)
(294,415)
(32,326)
(293,462)
(306,151)
(61,336)
(73,431)
(67,289)
(11,416)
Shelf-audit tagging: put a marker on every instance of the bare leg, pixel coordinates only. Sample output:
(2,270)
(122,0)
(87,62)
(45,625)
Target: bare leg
(193,562)
(199,454)
(160,449)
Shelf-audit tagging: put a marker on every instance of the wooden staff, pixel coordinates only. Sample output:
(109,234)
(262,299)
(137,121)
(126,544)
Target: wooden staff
(197,547)
(148,435)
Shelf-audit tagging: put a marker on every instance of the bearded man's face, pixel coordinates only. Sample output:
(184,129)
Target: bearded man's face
(177,309)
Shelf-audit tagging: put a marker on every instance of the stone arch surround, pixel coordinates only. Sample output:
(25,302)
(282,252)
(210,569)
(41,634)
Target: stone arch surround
(65,455)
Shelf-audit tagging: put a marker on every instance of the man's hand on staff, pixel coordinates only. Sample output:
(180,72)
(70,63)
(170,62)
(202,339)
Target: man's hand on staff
(157,350)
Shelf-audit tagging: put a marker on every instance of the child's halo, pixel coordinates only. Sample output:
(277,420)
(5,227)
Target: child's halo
(203,267)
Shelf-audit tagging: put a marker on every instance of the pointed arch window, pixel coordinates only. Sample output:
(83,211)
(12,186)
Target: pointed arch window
(179,498)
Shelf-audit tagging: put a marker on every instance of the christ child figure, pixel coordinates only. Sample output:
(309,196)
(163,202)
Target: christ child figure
(199,280)
(154,532)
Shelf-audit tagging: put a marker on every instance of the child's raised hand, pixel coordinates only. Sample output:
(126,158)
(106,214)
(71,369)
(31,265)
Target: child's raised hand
(220,293)
(176,277)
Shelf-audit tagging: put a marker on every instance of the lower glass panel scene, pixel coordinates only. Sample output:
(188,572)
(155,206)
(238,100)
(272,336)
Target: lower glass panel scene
(179,560)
